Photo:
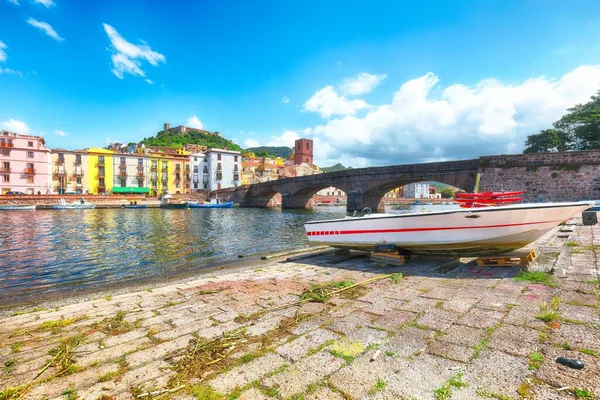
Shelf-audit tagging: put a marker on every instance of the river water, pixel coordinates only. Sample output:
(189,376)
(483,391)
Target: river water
(52,251)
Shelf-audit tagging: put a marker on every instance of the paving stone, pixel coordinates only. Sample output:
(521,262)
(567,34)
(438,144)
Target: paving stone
(155,352)
(408,342)
(459,304)
(496,302)
(557,375)
(497,372)
(438,319)
(582,314)
(368,336)
(113,352)
(420,377)
(578,337)
(146,373)
(309,370)
(244,374)
(350,323)
(393,320)
(419,305)
(450,351)
(407,294)
(464,335)
(441,293)
(298,348)
(358,378)
(479,318)
(515,340)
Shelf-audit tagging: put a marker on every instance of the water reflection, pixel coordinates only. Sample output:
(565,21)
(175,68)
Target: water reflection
(51,251)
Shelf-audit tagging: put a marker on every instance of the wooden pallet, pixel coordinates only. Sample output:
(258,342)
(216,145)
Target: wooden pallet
(388,258)
(522,257)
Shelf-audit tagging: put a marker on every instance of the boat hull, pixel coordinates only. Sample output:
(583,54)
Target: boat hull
(136,206)
(175,206)
(228,204)
(73,207)
(473,232)
(17,208)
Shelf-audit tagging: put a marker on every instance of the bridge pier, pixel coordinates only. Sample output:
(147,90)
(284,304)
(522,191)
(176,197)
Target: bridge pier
(357,201)
(289,201)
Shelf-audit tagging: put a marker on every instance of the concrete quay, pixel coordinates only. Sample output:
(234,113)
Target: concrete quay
(442,330)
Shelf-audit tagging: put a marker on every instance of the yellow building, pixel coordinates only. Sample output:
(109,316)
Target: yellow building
(100,170)
(169,171)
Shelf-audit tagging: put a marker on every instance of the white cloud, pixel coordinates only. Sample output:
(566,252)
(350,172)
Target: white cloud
(194,122)
(16,2)
(285,100)
(327,102)
(46,28)
(127,56)
(59,132)
(3,55)
(251,143)
(12,125)
(46,3)
(10,71)
(361,83)
(424,121)
(149,82)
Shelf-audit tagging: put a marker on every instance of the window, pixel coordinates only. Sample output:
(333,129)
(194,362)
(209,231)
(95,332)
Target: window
(101,182)
(100,171)
(298,146)
(78,158)
(205,170)
(218,167)
(195,185)
(123,162)
(307,146)
(6,152)
(30,154)
(30,179)
(177,167)
(205,185)
(154,185)
(5,178)
(123,183)
(140,162)
(195,169)
(234,158)
(219,157)
(195,158)
(79,180)
(30,166)
(165,165)
(100,159)
(153,164)
(177,184)
(30,144)
(235,167)
(6,166)
(218,186)
(140,183)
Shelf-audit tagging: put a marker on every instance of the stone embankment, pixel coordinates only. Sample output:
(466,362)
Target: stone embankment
(428,330)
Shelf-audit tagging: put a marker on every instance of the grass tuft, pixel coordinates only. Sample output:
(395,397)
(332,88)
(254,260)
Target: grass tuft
(397,277)
(543,278)
(535,360)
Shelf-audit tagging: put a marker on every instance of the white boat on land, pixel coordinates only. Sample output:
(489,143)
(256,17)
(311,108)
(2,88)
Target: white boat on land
(461,232)
(16,207)
(76,205)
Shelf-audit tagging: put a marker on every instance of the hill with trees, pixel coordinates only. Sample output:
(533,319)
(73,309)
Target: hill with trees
(172,139)
(579,129)
(335,168)
(270,151)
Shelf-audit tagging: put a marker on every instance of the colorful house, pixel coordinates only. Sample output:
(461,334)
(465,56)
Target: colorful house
(100,170)
(69,171)
(24,163)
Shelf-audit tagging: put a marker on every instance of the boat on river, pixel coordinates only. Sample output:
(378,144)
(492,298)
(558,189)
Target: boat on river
(134,206)
(17,207)
(461,232)
(165,202)
(227,204)
(75,205)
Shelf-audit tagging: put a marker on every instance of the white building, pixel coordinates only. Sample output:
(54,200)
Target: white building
(416,190)
(331,191)
(217,169)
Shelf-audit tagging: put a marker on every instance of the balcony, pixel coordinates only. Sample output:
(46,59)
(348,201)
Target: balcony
(76,163)
(101,188)
(100,162)
(4,170)
(29,171)
(60,161)
(154,168)
(236,177)
(101,174)
(123,174)
(60,172)
(140,173)
(7,145)
(78,172)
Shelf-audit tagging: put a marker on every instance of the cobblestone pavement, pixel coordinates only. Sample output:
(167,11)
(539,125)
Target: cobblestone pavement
(443,330)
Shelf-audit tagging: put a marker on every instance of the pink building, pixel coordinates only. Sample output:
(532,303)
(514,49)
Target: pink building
(24,164)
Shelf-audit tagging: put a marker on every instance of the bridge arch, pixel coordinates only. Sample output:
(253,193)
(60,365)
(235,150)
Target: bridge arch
(302,198)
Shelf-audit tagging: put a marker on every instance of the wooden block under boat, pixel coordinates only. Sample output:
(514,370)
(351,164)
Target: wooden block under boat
(388,258)
(519,257)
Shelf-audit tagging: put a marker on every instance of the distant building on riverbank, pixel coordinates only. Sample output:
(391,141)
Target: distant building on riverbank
(216,169)
(24,163)
(416,190)
(70,172)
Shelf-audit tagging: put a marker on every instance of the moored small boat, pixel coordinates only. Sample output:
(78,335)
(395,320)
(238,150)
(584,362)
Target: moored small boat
(461,232)
(76,205)
(227,204)
(17,207)
(165,203)
(134,206)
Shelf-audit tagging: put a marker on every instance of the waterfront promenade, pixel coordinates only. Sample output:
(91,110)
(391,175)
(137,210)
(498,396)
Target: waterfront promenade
(440,330)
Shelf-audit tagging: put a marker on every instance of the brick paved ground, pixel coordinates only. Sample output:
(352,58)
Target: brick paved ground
(443,331)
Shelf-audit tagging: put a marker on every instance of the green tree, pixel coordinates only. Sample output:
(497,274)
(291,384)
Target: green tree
(582,124)
(447,192)
(547,140)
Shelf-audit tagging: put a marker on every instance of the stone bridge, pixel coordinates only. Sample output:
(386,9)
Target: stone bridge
(364,187)
(567,176)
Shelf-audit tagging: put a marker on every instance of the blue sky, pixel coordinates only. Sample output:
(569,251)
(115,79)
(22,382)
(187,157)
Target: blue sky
(372,83)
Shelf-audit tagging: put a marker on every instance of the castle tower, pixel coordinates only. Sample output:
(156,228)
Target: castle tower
(303,152)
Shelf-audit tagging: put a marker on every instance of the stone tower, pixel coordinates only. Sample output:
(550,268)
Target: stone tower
(303,152)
